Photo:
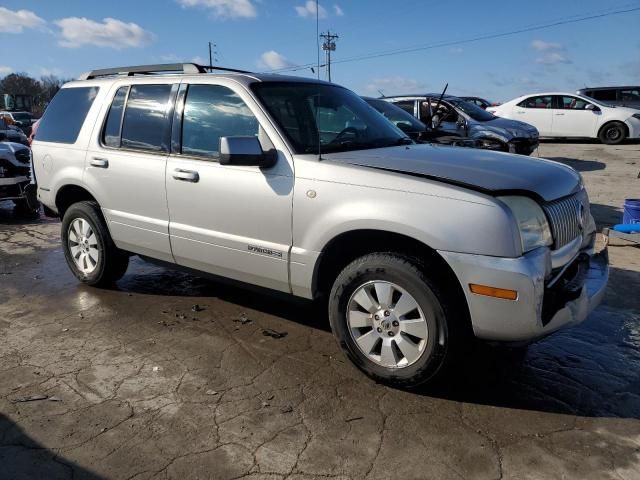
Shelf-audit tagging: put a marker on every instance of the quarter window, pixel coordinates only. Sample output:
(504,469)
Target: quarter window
(146,124)
(537,102)
(211,112)
(63,119)
(406,105)
(111,134)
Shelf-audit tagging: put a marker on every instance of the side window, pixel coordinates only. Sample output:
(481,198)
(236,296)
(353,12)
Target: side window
(406,105)
(112,127)
(605,95)
(537,102)
(630,95)
(146,124)
(211,112)
(572,103)
(63,119)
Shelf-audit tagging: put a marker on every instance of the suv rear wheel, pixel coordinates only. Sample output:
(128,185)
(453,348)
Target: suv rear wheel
(88,248)
(392,320)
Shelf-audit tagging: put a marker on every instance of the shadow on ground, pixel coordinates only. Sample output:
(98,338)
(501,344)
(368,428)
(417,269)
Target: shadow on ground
(580,165)
(22,458)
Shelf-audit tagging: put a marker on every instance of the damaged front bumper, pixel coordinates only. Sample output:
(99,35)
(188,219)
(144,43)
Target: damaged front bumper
(548,298)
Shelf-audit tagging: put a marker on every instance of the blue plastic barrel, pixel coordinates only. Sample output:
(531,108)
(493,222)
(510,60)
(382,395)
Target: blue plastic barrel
(631,211)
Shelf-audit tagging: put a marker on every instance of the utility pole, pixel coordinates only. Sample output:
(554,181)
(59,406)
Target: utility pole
(212,53)
(329,45)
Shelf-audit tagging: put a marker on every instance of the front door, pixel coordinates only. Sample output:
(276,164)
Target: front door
(572,119)
(233,221)
(536,111)
(125,166)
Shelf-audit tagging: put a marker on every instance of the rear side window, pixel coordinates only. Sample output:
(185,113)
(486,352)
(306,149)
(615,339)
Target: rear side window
(65,115)
(211,112)
(146,124)
(537,102)
(111,134)
(604,95)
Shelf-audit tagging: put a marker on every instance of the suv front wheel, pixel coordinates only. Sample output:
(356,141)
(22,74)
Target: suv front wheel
(391,319)
(88,248)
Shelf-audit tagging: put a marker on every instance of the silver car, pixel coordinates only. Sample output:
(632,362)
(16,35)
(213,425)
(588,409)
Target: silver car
(299,186)
(455,116)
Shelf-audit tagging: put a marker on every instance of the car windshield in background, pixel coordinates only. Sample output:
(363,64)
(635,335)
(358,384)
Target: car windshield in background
(472,110)
(397,115)
(328,117)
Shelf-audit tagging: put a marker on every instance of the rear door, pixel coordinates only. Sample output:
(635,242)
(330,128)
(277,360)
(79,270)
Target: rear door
(233,221)
(572,119)
(125,166)
(536,111)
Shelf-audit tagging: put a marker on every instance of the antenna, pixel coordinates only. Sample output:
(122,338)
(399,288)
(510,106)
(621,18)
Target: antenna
(212,53)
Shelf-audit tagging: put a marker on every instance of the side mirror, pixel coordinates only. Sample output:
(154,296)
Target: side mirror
(592,107)
(245,151)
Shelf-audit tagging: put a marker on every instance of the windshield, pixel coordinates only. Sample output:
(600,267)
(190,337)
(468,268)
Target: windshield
(21,117)
(397,115)
(471,109)
(326,116)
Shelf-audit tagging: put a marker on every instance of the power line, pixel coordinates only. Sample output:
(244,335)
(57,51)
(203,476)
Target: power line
(450,43)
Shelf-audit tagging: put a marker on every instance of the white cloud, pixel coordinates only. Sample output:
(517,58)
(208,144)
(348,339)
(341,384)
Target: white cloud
(4,70)
(224,8)
(338,10)
(77,32)
(273,60)
(18,21)
(542,46)
(553,58)
(309,10)
(552,53)
(393,86)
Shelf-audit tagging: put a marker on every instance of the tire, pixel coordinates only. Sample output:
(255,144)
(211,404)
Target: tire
(436,310)
(88,248)
(613,133)
(23,209)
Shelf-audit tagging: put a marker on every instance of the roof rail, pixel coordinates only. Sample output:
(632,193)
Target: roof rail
(183,68)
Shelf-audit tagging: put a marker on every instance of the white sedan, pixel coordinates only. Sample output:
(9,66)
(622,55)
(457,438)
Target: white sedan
(570,115)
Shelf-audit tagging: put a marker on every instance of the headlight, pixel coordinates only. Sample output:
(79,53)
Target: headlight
(532,222)
(491,144)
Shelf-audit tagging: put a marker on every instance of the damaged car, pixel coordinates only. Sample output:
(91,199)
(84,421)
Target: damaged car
(454,116)
(15,178)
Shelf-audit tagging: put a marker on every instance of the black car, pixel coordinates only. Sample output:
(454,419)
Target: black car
(10,133)
(414,128)
(623,96)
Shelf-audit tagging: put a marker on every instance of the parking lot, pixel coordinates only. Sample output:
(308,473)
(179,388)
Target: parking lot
(174,376)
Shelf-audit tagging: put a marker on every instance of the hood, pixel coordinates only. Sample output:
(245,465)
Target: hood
(502,127)
(484,170)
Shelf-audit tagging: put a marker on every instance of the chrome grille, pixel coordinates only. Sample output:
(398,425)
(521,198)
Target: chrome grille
(567,217)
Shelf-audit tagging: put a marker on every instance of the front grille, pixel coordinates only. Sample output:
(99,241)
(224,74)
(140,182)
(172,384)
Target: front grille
(567,217)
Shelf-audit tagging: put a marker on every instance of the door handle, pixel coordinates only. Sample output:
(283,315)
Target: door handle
(186,175)
(559,114)
(99,162)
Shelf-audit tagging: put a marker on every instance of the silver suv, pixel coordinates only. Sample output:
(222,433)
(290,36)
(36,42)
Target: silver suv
(300,186)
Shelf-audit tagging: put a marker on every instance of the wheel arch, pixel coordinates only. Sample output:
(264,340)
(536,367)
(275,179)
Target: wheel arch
(69,194)
(347,246)
(609,122)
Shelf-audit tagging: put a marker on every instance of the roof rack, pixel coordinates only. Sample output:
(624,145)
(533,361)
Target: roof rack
(184,68)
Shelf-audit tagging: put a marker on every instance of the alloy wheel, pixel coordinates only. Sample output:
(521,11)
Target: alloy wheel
(83,245)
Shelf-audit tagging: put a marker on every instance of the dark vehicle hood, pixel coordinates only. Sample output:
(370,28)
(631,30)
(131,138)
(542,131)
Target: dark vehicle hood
(484,170)
(503,127)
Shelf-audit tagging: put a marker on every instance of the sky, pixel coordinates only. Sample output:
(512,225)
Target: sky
(68,37)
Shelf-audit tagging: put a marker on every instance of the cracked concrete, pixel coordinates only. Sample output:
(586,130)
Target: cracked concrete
(142,387)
